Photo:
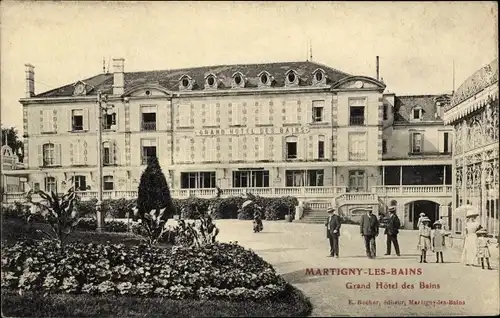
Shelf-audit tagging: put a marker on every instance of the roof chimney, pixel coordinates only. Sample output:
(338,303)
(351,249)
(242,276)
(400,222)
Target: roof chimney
(30,80)
(118,76)
(377,68)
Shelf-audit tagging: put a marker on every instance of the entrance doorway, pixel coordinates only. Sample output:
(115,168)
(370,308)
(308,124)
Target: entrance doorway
(431,210)
(357,181)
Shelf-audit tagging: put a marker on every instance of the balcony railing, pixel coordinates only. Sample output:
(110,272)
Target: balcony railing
(409,190)
(357,120)
(148,126)
(356,156)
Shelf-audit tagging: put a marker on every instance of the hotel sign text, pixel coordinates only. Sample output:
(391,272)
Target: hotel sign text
(253,131)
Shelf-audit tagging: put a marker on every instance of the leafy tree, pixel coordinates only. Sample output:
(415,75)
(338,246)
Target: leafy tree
(13,140)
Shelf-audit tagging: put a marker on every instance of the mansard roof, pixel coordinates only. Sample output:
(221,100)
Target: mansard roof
(169,79)
(406,103)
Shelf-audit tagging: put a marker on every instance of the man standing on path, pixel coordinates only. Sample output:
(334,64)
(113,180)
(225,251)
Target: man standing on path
(392,230)
(333,231)
(369,230)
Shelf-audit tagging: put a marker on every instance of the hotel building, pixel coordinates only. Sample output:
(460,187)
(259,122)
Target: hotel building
(301,129)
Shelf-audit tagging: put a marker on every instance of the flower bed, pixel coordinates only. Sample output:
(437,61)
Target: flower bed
(214,271)
(90,224)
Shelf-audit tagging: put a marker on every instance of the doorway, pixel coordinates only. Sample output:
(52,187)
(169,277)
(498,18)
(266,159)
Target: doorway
(357,181)
(431,210)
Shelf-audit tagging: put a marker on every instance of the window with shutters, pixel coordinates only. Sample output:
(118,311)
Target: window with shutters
(445,142)
(321,147)
(108,183)
(148,150)
(416,142)
(50,184)
(48,121)
(237,114)
(211,115)
(49,154)
(78,153)
(184,112)
(384,147)
(315,178)
(264,153)
(357,111)
(264,113)
(109,153)
(211,149)
(77,119)
(416,113)
(291,112)
(109,121)
(291,147)
(317,111)
(148,114)
(80,183)
(385,111)
(357,146)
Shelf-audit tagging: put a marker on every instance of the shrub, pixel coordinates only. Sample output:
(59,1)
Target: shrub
(218,270)
(16,211)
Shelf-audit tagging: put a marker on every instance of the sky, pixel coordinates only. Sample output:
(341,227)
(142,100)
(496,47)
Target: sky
(417,42)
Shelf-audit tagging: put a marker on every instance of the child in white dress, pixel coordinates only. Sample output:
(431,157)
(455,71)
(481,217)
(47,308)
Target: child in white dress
(424,238)
(483,251)
(438,240)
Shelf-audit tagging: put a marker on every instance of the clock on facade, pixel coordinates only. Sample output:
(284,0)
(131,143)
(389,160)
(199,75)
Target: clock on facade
(358,84)
(80,89)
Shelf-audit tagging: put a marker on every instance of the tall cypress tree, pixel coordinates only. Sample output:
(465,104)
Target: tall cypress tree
(153,190)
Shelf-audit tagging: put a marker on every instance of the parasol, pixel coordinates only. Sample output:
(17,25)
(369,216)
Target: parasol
(246,203)
(468,210)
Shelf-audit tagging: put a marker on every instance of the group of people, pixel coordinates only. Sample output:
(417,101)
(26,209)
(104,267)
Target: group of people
(475,249)
(369,229)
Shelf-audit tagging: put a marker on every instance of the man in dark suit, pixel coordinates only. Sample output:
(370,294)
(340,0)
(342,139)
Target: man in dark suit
(333,231)
(392,230)
(369,230)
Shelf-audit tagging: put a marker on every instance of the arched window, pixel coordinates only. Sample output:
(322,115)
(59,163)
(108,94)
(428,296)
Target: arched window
(291,78)
(108,183)
(238,80)
(210,81)
(49,154)
(319,77)
(50,185)
(265,79)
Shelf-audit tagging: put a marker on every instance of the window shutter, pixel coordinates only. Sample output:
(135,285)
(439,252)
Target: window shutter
(45,124)
(77,153)
(315,147)
(69,119)
(53,120)
(236,147)
(264,113)
(40,155)
(57,154)
(411,142)
(421,142)
(326,147)
(117,118)
(236,111)
(86,119)
(441,142)
(112,152)
(263,148)
(310,113)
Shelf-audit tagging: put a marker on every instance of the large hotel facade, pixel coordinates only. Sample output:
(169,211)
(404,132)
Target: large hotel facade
(300,128)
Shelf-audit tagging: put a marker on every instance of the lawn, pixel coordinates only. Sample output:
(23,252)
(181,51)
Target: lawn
(291,303)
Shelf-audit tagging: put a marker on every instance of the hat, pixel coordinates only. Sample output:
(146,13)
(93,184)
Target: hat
(392,209)
(481,231)
(422,214)
(426,219)
(438,222)
(330,210)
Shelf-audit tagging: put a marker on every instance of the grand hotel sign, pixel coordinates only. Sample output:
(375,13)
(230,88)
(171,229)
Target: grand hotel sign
(253,131)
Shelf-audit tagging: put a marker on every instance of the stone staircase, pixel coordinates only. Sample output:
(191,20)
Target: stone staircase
(347,203)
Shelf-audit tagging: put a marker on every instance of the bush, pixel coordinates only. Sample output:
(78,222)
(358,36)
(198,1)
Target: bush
(16,211)
(169,237)
(219,270)
(90,224)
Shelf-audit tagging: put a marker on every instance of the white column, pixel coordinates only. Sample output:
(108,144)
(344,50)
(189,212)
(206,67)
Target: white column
(383,176)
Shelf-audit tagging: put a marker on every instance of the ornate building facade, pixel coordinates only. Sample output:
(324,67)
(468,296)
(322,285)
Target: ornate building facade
(300,128)
(474,115)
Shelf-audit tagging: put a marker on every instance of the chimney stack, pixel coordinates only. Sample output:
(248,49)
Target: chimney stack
(30,80)
(118,76)
(377,69)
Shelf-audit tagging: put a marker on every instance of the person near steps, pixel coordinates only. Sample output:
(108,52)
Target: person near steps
(333,224)
(424,239)
(392,230)
(369,227)
(438,240)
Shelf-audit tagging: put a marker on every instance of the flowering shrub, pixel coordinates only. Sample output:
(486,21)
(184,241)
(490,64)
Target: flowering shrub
(218,270)
(168,237)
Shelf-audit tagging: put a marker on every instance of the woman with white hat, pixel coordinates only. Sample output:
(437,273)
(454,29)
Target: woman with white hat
(419,222)
(483,251)
(471,227)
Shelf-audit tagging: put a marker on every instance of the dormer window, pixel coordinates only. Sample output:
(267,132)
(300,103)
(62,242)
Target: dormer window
(417,113)
(210,81)
(265,79)
(291,78)
(319,77)
(185,83)
(238,80)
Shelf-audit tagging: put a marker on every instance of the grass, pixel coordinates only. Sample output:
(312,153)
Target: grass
(292,303)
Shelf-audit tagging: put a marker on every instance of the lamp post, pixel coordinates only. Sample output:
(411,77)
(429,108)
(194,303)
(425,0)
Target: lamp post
(101,99)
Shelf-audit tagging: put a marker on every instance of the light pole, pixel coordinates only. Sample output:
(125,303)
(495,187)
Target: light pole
(100,108)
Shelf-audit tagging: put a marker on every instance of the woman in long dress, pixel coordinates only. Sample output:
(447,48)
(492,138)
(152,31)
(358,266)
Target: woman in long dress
(469,251)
